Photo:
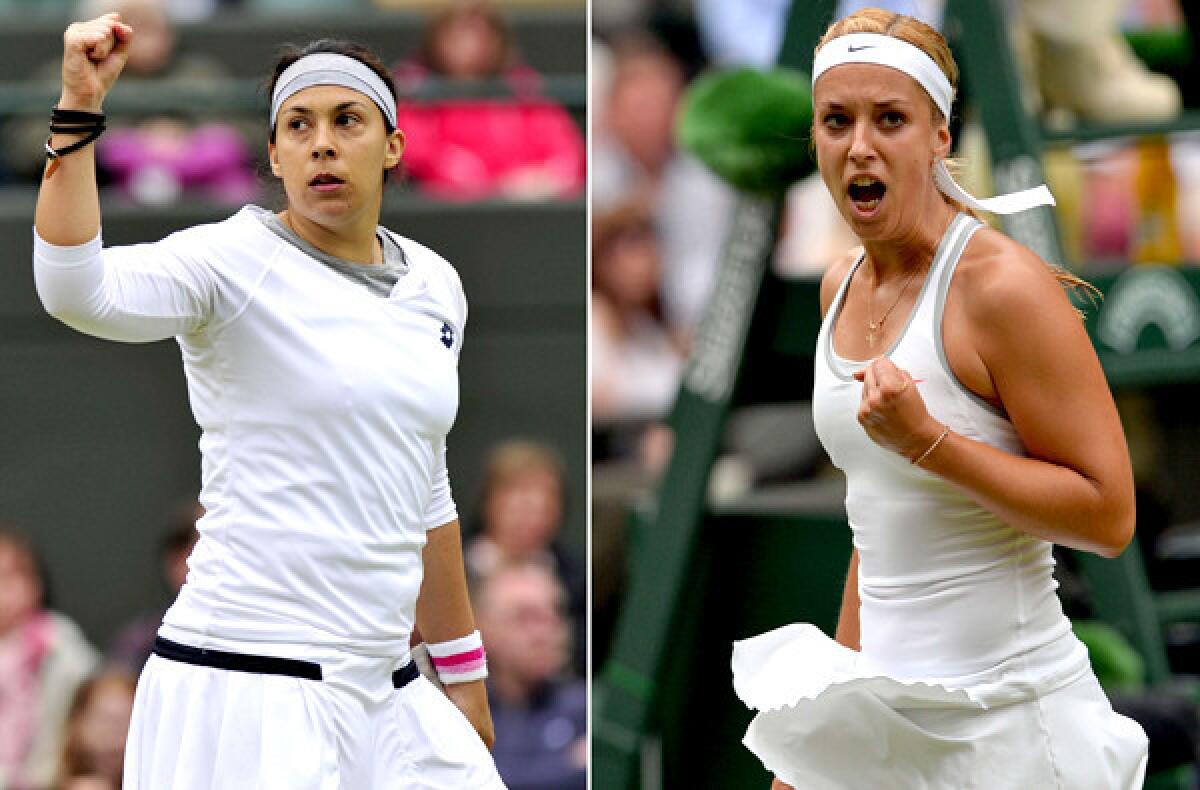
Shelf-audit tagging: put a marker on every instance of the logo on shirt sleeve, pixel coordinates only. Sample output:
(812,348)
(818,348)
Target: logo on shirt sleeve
(447,335)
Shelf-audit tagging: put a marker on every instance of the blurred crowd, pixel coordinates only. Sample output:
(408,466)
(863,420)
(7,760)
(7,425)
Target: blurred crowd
(63,713)
(524,148)
(653,264)
(65,705)
(196,10)
(478,120)
(530,595)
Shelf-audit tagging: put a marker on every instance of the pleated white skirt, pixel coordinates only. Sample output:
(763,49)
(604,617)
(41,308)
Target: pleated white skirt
(198,728)
(826,723)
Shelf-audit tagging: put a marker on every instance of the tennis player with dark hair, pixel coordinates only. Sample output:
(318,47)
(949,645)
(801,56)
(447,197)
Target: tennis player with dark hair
(957,389)
(321,357)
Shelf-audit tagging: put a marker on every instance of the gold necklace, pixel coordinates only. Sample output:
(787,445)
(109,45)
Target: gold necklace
(874,326)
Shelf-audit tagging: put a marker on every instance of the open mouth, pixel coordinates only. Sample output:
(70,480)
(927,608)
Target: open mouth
(325,181)
(866,192)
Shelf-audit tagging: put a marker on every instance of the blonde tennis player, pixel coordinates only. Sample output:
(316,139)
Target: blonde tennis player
(956,388)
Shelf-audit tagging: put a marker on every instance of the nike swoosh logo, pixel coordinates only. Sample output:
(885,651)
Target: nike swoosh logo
(860,49)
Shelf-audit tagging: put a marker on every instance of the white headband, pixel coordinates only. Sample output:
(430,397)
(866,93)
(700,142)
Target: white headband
(330,68)
(898,54)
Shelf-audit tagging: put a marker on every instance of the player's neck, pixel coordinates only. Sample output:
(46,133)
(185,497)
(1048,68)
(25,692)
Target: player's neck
(355,241)
(895,257)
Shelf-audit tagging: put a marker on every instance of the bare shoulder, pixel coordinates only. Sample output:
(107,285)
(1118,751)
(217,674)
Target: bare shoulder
(1004,282)
(832,279)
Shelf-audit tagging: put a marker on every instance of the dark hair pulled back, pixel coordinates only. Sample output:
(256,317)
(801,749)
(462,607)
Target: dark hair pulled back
(290,53)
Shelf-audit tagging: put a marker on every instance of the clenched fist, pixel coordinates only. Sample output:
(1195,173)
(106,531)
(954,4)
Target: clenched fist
(892,411)
(94,53)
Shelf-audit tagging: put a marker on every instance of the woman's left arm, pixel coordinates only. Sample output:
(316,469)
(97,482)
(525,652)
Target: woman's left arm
(1075,487)
(444,613)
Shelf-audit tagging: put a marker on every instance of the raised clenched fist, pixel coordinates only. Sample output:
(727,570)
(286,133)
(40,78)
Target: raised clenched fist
(94,53)
(892,412)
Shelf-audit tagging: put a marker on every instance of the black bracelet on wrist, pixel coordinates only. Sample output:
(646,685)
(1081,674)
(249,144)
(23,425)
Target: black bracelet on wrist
(62,121)
(75,116)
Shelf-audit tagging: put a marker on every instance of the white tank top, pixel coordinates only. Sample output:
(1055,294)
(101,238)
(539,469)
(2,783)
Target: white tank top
(949,592)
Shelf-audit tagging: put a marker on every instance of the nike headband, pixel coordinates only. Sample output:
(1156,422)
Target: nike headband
(898,54)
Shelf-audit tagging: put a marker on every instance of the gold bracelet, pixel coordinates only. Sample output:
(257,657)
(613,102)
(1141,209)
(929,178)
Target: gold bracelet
(932,447)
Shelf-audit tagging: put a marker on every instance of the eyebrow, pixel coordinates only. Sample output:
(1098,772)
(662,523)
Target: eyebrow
(889,102)
(346,105)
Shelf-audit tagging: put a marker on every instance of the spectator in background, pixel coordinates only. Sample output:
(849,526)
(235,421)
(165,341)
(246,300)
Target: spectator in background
(743,32)
(635,145)
(178,10)
(161,157)
(636,362)
(541,717)
(135,641)
(43,659)
(96,728)
(524,147)
(636,358)
(35,8)
(634,157)
(521,514)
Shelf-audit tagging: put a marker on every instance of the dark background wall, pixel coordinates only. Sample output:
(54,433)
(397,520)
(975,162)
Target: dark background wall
(97,442)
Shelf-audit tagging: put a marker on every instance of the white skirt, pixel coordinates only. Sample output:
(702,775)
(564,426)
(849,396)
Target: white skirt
(198,728)
(827,723)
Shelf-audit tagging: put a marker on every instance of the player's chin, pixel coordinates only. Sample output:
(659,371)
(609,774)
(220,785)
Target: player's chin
(869,228)
(329,207)
(333,195)
(880,224)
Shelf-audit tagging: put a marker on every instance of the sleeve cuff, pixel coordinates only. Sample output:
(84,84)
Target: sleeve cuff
(55,255)
(441,518)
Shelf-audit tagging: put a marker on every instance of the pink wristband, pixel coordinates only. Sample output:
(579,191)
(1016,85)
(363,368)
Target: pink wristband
(459,660)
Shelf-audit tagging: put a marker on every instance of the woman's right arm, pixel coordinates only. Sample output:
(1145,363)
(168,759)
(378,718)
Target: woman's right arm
(68,206)
(848,633)
(847,626)
(132,294)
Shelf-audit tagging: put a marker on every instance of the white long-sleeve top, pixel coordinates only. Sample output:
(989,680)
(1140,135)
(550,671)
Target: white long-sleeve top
(324,412)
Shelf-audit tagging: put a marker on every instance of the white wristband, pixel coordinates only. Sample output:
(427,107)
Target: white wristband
(459,660)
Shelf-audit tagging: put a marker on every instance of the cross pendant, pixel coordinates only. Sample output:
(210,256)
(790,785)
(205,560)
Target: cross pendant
(871,328)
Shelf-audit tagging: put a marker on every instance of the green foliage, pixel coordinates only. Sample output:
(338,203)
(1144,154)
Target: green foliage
(1117,665)
(750,127)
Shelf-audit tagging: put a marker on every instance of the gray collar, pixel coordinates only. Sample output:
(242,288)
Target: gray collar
(378,279)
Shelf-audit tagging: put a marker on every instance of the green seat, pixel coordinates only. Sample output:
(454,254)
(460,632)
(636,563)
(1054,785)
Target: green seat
(1181,778)
(1122,596)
